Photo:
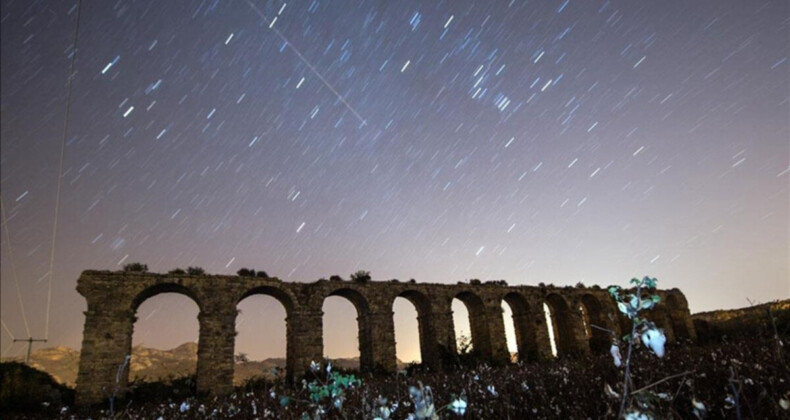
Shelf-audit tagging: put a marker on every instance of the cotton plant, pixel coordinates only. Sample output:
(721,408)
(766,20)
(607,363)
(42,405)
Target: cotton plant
(424,408)
(325,395)
(633,305)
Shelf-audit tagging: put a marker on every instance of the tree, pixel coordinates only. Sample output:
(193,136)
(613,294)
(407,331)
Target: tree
(135,267)
(361,276)
(196,271)
(177,271)
(246,272)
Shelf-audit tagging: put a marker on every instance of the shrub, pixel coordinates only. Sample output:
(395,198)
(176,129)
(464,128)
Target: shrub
(335,277)
(177,271)
(361,276)
(475,282)
(245,272)
(196,271)
(262,274)
(135,267)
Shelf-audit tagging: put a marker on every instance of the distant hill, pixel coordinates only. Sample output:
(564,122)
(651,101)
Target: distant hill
(151,364)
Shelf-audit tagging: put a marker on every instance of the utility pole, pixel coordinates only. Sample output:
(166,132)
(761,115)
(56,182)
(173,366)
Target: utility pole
(30,342)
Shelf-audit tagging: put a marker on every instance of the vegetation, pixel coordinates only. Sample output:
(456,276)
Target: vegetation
(196,271)
(135,267)
(361,276)
(23,388)
(177,271)
(245,272)
(565,388)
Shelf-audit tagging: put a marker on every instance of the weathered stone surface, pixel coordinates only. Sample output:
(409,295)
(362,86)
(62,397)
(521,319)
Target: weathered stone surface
(767,319)
(113,299)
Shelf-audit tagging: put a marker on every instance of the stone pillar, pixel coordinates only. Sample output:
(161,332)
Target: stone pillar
(215,350)
(495,327)
(524,326)
(382,341)
(481,337)
(305,342)
(365,339)
(429,351)
(106,341)
(443,341)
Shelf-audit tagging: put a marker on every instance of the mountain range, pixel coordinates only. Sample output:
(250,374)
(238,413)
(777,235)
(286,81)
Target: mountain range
(149,364)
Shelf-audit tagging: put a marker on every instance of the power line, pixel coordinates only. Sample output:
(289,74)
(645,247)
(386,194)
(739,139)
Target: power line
(307,63)
(60,171)
(13,270)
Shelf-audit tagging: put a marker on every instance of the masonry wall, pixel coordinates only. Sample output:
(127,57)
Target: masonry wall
(113,299)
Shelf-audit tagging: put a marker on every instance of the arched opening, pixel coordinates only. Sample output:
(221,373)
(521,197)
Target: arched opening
(477,325)
(561,324)
(519,329)
(260,345)
(676,311)
(551,326)
(165,336)
(420,348)
(510,332)
(407,331)
(347,347)
(590,311)
(462,328)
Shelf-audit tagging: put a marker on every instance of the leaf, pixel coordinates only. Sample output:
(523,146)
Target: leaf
(656,298)
(647,304)
(284,401)
(622,307)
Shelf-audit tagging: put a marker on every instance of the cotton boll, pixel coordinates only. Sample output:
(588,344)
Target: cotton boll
(655,340)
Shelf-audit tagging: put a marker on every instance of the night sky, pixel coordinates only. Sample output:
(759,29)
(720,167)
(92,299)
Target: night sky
(531,141)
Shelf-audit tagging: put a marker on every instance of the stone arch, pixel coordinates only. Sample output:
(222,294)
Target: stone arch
(526,336)
(478,323)
(365,335)
(147,292)
(677,317)
(592,314)
(274,332)
(284,297)
(159,288)
(422,304)
(562,324)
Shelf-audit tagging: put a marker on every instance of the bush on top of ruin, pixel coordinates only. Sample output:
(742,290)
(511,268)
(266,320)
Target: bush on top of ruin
(335,277)
(361,276)
(177,270)
(250,272)
(135,267)
(497,282)
(196,271)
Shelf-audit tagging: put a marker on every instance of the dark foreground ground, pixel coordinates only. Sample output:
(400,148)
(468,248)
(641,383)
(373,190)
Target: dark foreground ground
(753,368)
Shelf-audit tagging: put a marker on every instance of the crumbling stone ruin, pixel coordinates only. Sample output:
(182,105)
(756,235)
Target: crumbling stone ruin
(113,299)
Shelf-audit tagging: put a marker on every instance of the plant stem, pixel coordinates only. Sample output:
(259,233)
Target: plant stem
(735,393)
(645,388)
(627,376)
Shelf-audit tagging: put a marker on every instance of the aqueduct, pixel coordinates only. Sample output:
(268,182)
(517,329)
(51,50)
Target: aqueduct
(113,299)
